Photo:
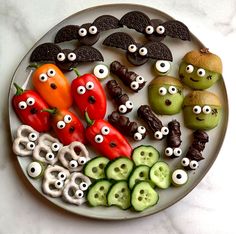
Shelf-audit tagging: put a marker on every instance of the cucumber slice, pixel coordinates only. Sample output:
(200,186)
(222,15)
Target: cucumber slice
(119,169)
(143,196)
(119,195)
(140,173)
(97,193)
(160,175)
(145,155)
(95,168)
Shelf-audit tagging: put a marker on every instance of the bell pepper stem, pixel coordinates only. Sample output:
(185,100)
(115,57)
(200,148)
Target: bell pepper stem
(51,111)
(19,90)
(87,119)
(76,71)
(34,65)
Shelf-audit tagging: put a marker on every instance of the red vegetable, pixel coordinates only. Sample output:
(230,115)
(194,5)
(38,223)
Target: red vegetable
(89,95)
(106,139)
(28,106)
(67,126)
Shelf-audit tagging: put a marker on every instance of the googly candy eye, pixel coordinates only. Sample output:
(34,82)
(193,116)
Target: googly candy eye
(162,91)
(51,72)
(93,30)
(158,135)
(122,109)
(160,29)
(189,68)
(79,193)
(101,71)
(168,151)
(59,184)
(197,110)
(30,101)
(206,110)
(43,77)
(172,90)
(34,169)
(55,147)
(33,136)
(67,118)
(98,138)
(82,32)
(177,152)
(179,177)
(61,124)
(81,90)
(141,129)
(149,29)
(73,164)
(30,145)
(193,165)
(89,85)
(50,156)
(165,131)
(61,176)
(61,57)
(22,105)
(162,66)
(82,160)
(132,48)
(139,79)
(129,104)
(134,85)
(137,136)
(83,186)
(71,56)
(185,162)
(201,72)
(143,51)
(105,130)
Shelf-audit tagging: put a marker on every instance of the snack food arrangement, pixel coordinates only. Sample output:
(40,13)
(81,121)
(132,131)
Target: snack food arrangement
(53,133)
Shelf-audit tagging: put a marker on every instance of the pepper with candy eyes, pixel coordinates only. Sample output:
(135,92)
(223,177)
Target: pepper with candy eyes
(28,106)
(120,98)
(106,139)
(67,126)
(89,95)
(53,86)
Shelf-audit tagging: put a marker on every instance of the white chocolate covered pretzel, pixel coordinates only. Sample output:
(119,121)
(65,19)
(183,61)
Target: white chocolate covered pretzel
(55,178)
(75,188)
(47,149)
(73,156)
(25,141)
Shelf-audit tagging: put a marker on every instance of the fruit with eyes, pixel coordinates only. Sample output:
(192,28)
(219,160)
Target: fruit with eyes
(200,69)
(202,110)
(165,95)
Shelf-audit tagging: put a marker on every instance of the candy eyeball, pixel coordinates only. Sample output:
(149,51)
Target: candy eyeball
(34,169)
(82,160)
(22,105)
(179,177)
(143,51)
(165,131)
(55,147)
(83,186)
(172,90)
(59,184)
(61,57)
(51,72)
(197,110)
(30,145)
(73,164)
(160,29)
(101,71)
(189,68)
(43,77)
(206,110)
(140,79)
(162,66)
(30,101)
(158,135)
(201,72)
(177,152)
(82,32)
(162,91)
(50,156)
(79,193)
(33,136)
(129,105)
(134,85)
(168,151)
(122,109)
(105,130)
(149,29)
(61,176)
(89,85)
(132,48)
(93,30)
(71,56)
(137,136)
(67,118)
(185,162)
(141,129)
(193,165)
(61,124)
(98,138)
(81,90)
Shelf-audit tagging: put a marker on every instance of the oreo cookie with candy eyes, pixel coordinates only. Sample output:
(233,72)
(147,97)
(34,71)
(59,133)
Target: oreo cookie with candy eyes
(65,59)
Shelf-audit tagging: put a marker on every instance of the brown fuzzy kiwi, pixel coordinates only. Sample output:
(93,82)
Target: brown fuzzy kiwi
(166,80)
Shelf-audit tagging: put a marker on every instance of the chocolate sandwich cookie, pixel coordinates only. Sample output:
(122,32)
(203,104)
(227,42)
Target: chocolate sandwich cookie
(124,105)
(137,53)
(126,127)
(129,78)
(194,154)
(89,33)
(65,59)
(155,125)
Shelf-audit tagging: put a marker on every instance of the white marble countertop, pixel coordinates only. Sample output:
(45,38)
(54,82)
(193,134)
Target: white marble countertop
(207,209)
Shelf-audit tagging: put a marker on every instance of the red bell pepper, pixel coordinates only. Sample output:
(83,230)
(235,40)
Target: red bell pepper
(89,95)
(28,106)
(106,139)
(67,126)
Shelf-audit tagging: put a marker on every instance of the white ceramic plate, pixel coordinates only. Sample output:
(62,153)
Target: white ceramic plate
(179,48)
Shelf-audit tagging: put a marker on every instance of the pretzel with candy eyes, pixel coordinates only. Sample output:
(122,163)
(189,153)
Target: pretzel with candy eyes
(25,141)
(47,149)
(75,188)
(55,178)
(73,156)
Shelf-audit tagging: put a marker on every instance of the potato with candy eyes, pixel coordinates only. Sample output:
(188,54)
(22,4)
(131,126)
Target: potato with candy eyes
(165,95)
(202,110)
(200,69)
